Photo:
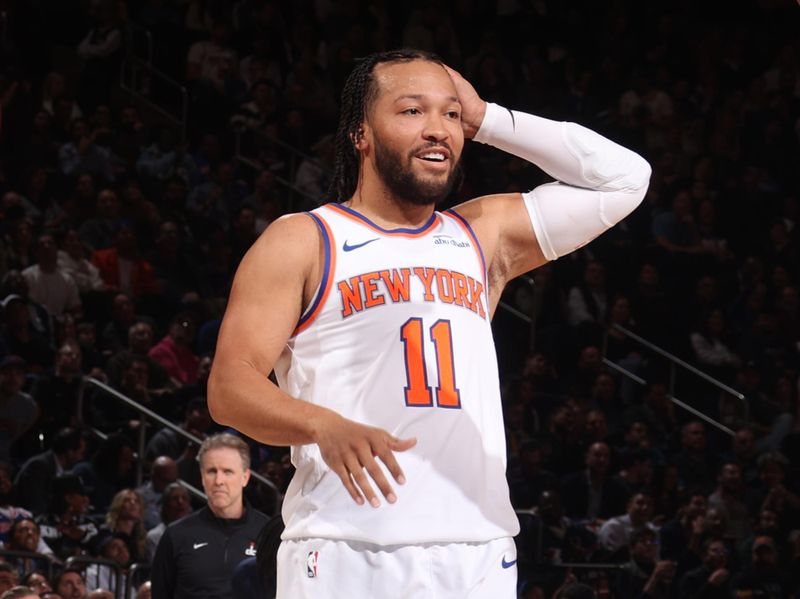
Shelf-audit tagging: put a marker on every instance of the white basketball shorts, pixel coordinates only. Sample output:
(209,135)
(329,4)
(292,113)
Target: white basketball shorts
(328,569)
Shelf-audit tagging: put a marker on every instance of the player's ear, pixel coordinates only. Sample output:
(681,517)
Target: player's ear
(357,137)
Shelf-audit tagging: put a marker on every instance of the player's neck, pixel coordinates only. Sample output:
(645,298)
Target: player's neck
(376,202)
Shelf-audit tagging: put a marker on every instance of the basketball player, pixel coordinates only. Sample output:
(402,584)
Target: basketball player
(374,311)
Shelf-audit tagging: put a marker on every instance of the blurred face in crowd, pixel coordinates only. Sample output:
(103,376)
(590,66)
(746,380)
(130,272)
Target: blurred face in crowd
(140,337)
(38,583)
(131,505)
(716,555)
(12,379)
(224,479)
(715,522)
(71,586)
(694,436)
(117,550)
(25,536)
(765,555)
(68,360)
(640,509)
(7,580)
(598,458)
(596,425)
(771,474)
(176,505)
(645,549)
(697,506)
(730,478)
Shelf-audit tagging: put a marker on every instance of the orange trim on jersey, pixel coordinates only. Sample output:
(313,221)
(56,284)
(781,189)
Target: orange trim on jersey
(361,219)
(326,282)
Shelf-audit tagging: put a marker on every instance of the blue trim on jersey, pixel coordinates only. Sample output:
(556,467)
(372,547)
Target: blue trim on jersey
(325,271)
(360,216)
(477,244)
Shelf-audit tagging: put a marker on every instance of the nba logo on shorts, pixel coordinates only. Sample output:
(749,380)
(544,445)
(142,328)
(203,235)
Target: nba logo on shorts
(311,564)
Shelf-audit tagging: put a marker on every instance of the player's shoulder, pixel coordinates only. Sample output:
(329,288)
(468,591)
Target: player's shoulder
(288,239)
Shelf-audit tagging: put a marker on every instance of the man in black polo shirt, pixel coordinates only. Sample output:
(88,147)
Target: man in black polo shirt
(197,555)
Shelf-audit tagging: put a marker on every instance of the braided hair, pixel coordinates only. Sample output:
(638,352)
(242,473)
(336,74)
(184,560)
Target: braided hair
(359,91)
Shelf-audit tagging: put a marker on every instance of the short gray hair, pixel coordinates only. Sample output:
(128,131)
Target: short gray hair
(228,440)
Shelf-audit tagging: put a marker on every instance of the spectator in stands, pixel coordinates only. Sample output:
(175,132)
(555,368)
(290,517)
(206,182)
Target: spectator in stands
(18,410)
(175,269)
(72,261)
(167,442)
(100,231)
(9,513)
(636,470)
(83,155)
(587,302)
(763,577)
(109,470)
(728,498)
(21,338)
(712,349)
(48,284)
(38,583)
(122,268)
(529,479)
(8,577)
(646,575)
(112,547)
(163,472)
(615,533)
(66,528)
(140,341)
(123,315)
(744,452)
(19,242)
(101,51)
(175,504)
(260,109)
(712,579)
(25,536)
(34,482)
(164,159)
(696,465)
(69,584)
(776,492)
(685,532)
(593,494)
(59,394)
(125,519)
(174,351)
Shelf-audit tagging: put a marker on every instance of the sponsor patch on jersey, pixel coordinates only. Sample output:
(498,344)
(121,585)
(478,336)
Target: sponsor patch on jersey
(448,240)
(251,549)
(311,564)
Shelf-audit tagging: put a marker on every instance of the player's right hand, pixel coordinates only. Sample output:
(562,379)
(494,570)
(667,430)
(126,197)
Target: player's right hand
(350,449)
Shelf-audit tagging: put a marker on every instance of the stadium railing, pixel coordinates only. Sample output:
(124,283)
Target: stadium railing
(147,415)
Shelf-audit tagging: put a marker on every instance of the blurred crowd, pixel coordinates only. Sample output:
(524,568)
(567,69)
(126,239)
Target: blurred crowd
(120,230)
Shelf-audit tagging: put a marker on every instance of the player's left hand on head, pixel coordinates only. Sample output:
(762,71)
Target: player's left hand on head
(473,108)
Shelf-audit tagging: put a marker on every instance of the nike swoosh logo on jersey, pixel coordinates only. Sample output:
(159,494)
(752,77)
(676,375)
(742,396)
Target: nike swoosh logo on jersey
(349,248)
(198,545)
(506,564)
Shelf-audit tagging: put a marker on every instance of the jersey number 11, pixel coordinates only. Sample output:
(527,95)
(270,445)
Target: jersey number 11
(418,393)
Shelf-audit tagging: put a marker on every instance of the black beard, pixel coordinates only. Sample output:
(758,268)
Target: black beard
(404,185)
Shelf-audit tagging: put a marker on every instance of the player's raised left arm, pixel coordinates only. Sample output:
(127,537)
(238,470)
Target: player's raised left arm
(597,184)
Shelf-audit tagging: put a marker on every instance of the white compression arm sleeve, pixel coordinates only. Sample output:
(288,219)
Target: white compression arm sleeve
(598,181)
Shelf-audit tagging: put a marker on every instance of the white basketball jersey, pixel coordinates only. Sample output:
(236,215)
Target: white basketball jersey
(398,336)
